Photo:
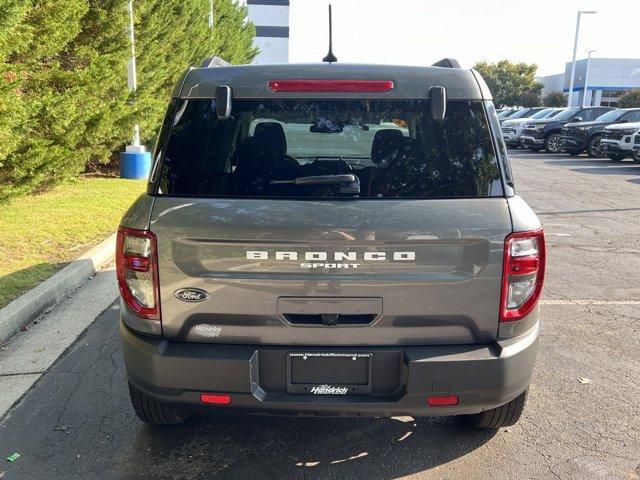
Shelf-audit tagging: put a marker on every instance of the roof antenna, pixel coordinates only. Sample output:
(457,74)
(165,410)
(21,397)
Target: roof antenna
(330,58)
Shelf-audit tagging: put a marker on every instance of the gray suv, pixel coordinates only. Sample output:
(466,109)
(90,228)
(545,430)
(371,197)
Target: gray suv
(330,239)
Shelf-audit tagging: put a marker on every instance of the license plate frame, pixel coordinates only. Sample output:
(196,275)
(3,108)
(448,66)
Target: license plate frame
(329,373)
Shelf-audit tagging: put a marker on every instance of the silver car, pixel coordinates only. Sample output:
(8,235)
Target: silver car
(512,129)
(330,239)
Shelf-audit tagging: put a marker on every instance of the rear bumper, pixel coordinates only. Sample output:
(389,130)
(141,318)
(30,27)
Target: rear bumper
(482,376)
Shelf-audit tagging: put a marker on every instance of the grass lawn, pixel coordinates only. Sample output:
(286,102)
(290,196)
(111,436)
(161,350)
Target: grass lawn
(39,234)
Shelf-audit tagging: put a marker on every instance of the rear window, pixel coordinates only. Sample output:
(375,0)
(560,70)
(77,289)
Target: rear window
(289,148)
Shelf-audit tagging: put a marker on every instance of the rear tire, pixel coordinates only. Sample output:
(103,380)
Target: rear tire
(594,148)
(155,413)
(502,416)
(616,158)
(553,143)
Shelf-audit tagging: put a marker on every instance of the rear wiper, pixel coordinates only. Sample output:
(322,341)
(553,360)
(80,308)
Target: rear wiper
(349,182)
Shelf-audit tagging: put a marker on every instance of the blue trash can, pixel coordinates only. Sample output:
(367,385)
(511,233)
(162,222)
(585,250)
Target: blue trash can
(135,164)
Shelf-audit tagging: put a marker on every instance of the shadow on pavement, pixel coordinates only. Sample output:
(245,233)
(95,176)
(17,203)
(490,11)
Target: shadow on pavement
(77,423)
(274,447)
(597,166)
(582,162)
(619,170)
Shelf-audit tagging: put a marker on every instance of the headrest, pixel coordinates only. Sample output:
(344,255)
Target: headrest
(271,133)
(386,142)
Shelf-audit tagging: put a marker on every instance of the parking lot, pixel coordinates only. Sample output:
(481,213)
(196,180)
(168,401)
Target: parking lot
(582,419)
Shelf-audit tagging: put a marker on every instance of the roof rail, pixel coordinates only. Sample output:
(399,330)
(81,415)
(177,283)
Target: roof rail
(447,63)
(214,61)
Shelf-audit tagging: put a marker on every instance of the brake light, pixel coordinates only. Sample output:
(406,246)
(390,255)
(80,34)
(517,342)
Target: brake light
(137,270)
(522,274)
(349,86)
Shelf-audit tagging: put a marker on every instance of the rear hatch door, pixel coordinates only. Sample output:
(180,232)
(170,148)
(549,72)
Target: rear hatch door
(426,271)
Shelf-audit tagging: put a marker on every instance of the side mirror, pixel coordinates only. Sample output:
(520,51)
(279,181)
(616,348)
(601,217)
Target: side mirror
(223,102)
(438,97)
(623,120)
(577,119)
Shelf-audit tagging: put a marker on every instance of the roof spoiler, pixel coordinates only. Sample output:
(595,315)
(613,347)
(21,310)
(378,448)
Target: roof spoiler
(214,61)
(447,63)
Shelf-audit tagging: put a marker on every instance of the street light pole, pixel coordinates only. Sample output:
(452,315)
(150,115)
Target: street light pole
(135,161)
(575,51)
(133,70)
(586,79)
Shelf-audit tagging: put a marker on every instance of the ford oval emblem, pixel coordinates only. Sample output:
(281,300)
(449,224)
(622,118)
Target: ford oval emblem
(193,295)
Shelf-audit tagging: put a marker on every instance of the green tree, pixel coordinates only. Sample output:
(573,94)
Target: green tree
(555,99)
(64,101)
(512,84)
(13,115)
(42,150)
(173,35)
(630,99)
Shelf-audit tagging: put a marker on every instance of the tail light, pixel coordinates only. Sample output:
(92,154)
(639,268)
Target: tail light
(523,274)
(137,269)
(350,86)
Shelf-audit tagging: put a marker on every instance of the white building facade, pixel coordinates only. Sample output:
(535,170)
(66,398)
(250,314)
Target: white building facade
(271,18)
(607,80)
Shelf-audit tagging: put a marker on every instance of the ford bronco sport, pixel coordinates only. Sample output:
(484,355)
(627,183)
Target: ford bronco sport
(330,239)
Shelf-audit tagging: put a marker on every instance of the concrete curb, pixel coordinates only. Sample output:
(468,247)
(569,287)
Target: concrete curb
(46,294)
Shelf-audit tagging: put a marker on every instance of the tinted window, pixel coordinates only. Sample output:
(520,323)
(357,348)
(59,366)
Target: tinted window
(588,114)
(632,116)
(394,149)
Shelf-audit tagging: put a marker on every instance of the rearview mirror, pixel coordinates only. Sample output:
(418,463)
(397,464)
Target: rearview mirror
(223,102)
(438,97)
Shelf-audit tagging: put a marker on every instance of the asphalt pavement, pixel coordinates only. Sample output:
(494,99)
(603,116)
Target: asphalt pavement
(582,420)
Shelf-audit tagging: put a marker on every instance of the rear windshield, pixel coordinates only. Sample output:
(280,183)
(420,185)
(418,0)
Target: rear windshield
(374,149)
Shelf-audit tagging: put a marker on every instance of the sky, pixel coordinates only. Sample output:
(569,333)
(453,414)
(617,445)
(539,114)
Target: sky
(420,32)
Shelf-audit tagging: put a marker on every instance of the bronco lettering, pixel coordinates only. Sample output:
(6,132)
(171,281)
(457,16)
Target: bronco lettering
(337,256)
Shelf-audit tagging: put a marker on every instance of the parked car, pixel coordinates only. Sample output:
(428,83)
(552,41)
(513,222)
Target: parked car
(512,129)
(617,140)
(338,281)
(547,133)
(636,146)
(520,113)
(580,136)
(505,112)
